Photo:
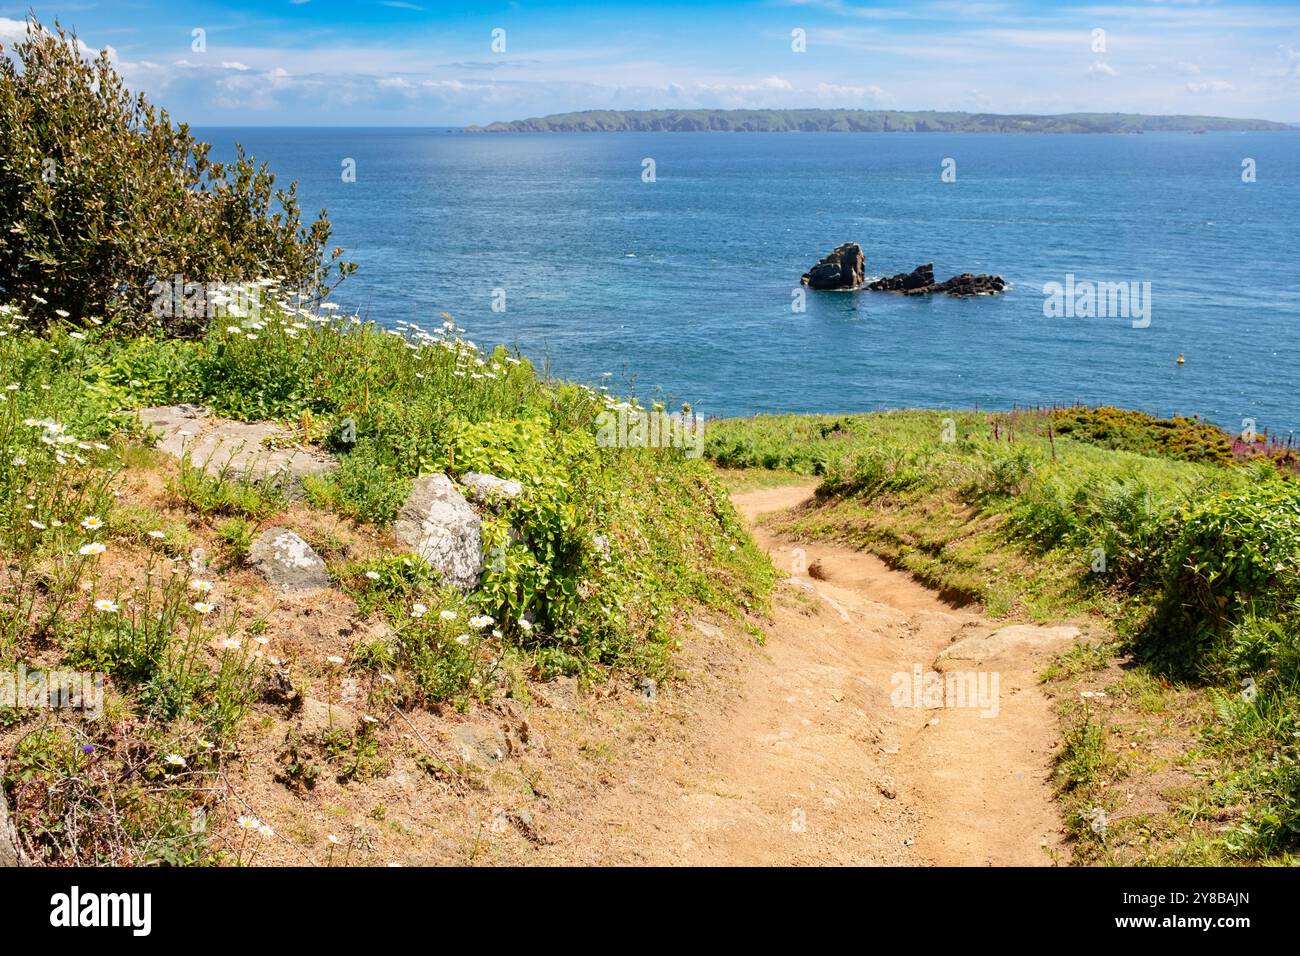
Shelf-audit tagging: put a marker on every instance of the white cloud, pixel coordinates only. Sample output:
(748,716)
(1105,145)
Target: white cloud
(1292,56)
(11,31)
(934,54)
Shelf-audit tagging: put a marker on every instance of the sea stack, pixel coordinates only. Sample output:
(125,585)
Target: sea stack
(844,268)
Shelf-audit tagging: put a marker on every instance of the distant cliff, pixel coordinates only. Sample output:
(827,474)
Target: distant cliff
(867,121)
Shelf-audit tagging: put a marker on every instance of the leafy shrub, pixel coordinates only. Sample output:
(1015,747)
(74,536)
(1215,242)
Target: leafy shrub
(540,557)
(1084,755)
(226,492)
(237,535)
(102,196)
(1007,474)
(361,488)
(1233,555)
(1184,439)
(390,582)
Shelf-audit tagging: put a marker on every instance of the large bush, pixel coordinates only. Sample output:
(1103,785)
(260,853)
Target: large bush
(102,198)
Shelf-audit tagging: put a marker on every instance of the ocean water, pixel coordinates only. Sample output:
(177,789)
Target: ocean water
(682,287)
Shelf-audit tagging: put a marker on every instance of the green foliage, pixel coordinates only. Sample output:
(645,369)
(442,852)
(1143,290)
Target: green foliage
(102,197)
(1234,558)
(539,559)
(363,487)
(1084,756)
(83,804)
(391,582)
(227,493)
(355,754)
(237,535)
(1185,439)
(593,568)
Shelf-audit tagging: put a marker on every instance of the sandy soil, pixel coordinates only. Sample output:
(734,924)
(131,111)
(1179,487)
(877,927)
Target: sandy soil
(794,752)
(780,749)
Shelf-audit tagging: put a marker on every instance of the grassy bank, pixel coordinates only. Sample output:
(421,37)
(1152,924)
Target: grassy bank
(1182,539)
(120,559)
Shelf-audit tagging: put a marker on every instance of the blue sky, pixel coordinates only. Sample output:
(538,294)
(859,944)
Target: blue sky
(425,62)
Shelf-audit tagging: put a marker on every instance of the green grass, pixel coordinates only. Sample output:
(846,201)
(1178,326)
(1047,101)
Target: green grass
(592,570)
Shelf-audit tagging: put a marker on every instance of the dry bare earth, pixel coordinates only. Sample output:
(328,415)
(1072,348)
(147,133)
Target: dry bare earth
(792,753)
(785,752)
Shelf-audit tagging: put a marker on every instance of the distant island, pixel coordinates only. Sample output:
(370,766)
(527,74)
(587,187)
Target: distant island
(867,121)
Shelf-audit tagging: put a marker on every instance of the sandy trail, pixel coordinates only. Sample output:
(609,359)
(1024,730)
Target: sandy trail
(794,753)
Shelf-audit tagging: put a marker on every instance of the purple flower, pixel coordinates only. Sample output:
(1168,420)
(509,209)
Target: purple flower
(88,749)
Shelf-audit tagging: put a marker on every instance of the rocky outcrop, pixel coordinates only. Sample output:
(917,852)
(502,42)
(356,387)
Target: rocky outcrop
(437,523)
(481,746)
(560,693)
(1006,641)
(317,717)
(287,562)
(844,268)
(920,281)
(968,284)
(247,451)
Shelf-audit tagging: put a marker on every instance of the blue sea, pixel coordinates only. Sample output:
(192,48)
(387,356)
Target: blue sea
(681,288)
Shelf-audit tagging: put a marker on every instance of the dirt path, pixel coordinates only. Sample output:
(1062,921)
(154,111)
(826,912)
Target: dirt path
(978,782)
(795,752)
(792,750)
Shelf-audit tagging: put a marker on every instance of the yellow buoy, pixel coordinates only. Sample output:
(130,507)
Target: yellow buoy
(1180,358)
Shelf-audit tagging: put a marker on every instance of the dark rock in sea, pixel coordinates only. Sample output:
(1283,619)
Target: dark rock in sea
(920,281)
(844,268)
(967,284)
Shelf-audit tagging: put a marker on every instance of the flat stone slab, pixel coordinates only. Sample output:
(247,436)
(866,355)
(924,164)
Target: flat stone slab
(1017,638)
(244,450)
(287,562)
(438,524)
(707,629)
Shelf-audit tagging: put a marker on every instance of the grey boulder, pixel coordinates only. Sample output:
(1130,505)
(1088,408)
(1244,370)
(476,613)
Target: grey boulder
(8,843)
(438,524)
(287,562)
